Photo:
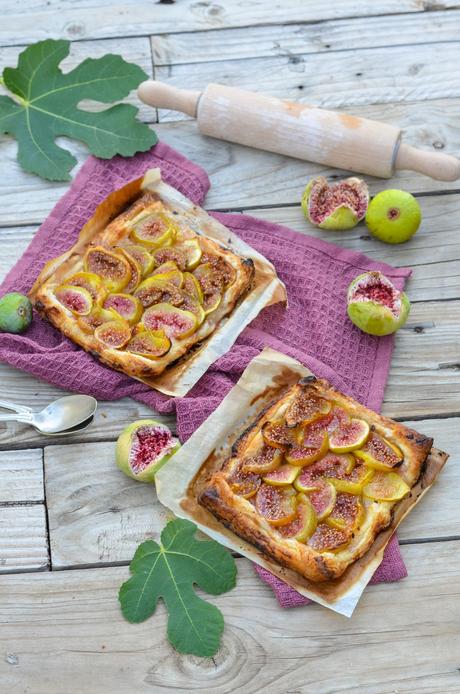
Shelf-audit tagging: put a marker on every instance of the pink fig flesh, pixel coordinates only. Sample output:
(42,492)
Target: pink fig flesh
(143,448)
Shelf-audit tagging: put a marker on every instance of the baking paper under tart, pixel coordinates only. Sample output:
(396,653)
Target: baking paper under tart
(266,289)
(179,482)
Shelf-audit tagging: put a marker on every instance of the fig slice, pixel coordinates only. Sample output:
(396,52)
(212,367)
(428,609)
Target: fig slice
(97,317)
(192,287)
(333,465)
(338,206)
(282,475)
(323,498)
(244,483)
(140,255)
(175,322)
(386,486)
(379,453)
(190,304)
(223,274)
(153,291)
(349,436)
(266,460)
(113,268)
(150,344)
(127,306)
(306,408)
(136,271)
(192,251)
(328,539)
(75,299)
(278,505)
(304,523)
(277,435)
(143,448)
(171,254)
(306,455)
(351,481)
(115,334)
(153,230)
(347,513)
(211,302)
(89,281)
(169,272)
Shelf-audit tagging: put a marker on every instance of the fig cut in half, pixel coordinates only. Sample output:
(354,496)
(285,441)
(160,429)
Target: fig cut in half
(329,539)
(113,268)
(335,206)
(143,448)
(386,486)
(267,460)
(375,306)
(277,435)
(278,505)
(150,344)
(323,498)
(115,334)
(136,271)
(282,475)
(349,436)
(127,306)
(304,523)
(306,408)
(308,455)
(175,322)
(380,454)
(192,287)
(140,255)
(347,512)
(76,299)
(169,272)
(89,281)
(153,291)
(244,483)
(153,230)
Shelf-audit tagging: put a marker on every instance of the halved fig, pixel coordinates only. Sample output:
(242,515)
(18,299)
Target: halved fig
(141,255)
(335,206)
(284,474)
(155,291)
(175,322)
(244,483)
(211,302)
(143,448)
(192,287)
(306,408)
(170,254)
(127,306)
(379,453)
(349,436)
(169,272)
(223,274)
(153,230)
(115,334)
(97,317)
(323,498)
(192,250)
(89,281)
(136,271)
(304,523)
(278,505)
(76,299)
(190,304)
(386,486)
(113,268)
(307,455)
(276,434)
(266,460)
(150,344)
(347,512)
(328,539)
(352,481)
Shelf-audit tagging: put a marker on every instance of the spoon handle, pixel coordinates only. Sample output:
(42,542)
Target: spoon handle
(26,417)
(16,408)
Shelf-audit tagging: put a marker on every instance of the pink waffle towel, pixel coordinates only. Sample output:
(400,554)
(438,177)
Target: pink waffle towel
(315,329)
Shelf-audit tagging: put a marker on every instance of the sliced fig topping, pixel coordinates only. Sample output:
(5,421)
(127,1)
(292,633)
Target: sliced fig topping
(97,317)
(114,334)
(223,273)
(150,344)
(276,434)
(349,436)
(305,408)
(175,322)
(323,498)
(304,523)
(192,251)
(141,255)
(211,302)
(190,304)
(136,271)
(76,299)
(328,539)
(153,230)
(143,448)
(156,291)
(170,254)
(312,432)
(332,465)
(386,486)
(338,206)
(351,480)
(307,455)
(284,474)
(89,281)
(244,483)
(278,505)
(113,268)
(263,462)
(192,287)
(169,272)
(347,512)
(338,416)
(127,306)
(379,453)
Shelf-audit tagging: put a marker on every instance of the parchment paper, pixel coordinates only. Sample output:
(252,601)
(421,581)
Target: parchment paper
(178,482)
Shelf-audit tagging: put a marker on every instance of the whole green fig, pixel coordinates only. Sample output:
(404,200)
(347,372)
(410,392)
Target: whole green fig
(15,313)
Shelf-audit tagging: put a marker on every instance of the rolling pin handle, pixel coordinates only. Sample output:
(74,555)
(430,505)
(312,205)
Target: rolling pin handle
(441,167)
(161,95)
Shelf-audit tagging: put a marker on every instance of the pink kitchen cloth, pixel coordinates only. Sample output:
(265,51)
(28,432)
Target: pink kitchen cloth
(314,329)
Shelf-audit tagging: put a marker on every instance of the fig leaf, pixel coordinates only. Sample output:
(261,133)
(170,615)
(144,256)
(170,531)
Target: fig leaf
(170,570)
(45,106)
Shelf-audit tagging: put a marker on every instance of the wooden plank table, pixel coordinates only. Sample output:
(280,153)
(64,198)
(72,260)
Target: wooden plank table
(70,521)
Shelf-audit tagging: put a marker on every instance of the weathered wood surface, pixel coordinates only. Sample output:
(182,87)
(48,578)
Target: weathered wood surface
(63,632)
(98,516)
(23,538)
(21,476)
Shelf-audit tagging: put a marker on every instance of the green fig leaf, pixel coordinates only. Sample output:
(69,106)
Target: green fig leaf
(169,571)
(45,106)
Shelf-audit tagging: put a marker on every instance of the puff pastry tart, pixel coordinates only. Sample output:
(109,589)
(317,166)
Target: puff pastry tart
(144,290)
(314,480)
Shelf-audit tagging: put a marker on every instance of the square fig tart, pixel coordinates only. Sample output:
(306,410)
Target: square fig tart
(144,285)
(314,480)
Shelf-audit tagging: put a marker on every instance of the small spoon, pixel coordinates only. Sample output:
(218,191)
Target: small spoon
(65,415)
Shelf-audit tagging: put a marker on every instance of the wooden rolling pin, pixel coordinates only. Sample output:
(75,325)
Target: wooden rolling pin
(298,130)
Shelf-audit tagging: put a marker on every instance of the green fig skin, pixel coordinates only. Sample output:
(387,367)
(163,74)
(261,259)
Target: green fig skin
(375,319)
(343,217)
(15,313)
(123,448)
(403,226)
